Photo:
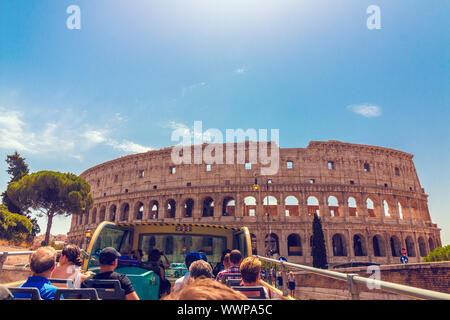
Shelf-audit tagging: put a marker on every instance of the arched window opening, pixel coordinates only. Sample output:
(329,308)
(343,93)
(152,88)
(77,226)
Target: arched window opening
(271,244)
(395,246)
(249,207)
(370,208)
(294,245)
(386,209)
(431,244)
(154,210)
(112,213)
(339,246)
(410,250)
(188,208)
(171,208)
(378,246)
(228,207)
(422,247)
(139,211)
(352,207)
(208,207)
(102,214)
(125,212)
(333,206)
(94,215)
(359,246)
(254,244)
(270,206)
(313,206)
(291,206)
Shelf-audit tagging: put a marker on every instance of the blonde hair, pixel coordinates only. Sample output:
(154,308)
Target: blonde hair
(205,289)
(250,269)
(200,268)
(43,259)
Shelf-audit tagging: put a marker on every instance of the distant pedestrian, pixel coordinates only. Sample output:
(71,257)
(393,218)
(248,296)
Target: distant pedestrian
(291,281)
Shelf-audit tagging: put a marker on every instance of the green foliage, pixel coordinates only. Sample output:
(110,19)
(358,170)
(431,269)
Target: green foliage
(14,227)
(17,169)
(319,252)
(438,254)
(51,193)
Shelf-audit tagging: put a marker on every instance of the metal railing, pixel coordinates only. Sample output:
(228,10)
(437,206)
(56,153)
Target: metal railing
(353,280)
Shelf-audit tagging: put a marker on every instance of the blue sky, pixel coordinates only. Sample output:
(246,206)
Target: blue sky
(70,99)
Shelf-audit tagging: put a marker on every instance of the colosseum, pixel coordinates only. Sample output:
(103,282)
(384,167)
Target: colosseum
(369,199)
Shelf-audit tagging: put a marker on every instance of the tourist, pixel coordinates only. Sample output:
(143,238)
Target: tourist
(200,268)
(235,261)
(220,265)
(108,259)
(250,271)
(69,266)
(42,263)
(155,264)
(291,282)
(205,289)
(188,260)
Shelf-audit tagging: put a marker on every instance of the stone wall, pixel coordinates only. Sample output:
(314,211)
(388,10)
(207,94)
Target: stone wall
(431,276)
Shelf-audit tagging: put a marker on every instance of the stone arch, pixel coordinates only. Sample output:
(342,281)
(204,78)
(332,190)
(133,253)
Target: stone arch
(249,206)
(294,245)
(313,206)
(339,245)
(254,244)
(371,209)
(431,244)
(410,249)
(153,209)
(228,206)
(270,205)
(387,208)
(379,248)
(352,207)
(112,213)
(291,205)
(395,246)
(422,247)
(94,215)
(102,214)
(271,244)
(188,208)
(171,208)
(124,212)
(333,206)
(139,211)
(359,245)
(208,207)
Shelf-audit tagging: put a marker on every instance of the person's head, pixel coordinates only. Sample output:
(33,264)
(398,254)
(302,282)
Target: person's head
(205,289)
(250,270)
(108,258)
(71,253)
(200,268)
(154,255)
(226,261)
(43,261)
(191,257)
(235,257)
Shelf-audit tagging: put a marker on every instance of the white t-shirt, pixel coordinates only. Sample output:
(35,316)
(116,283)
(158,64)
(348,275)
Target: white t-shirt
(71,272)
(180,282)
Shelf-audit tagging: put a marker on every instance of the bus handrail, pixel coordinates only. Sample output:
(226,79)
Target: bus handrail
(354,279)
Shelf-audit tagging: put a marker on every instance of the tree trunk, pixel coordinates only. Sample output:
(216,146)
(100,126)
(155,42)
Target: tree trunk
(49,226)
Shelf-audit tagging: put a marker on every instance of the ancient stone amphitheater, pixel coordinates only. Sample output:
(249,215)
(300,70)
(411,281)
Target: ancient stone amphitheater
(369,199)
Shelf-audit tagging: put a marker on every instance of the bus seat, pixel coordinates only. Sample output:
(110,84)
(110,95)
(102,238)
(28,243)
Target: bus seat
(106,289)
(225,277)
(76,294)
(256,292)
(25,293)
(62,283)
(233,282)
(145,282)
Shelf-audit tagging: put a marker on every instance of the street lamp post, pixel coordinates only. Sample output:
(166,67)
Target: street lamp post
(88,238)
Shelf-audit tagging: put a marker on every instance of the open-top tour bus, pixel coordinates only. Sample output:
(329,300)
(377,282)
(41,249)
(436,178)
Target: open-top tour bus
(175,240)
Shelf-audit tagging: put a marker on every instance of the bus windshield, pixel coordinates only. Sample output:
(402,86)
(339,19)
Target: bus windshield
(176,246)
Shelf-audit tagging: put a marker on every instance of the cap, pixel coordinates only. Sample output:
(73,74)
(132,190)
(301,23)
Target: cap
(191,257)
(108,255)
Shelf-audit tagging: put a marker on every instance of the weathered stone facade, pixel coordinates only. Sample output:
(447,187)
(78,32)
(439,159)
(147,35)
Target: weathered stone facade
(369,199)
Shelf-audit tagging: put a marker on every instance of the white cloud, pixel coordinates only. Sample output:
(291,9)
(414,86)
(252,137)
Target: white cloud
(190,134)
(65,137)
(191,87)
(241,70)
(366,110)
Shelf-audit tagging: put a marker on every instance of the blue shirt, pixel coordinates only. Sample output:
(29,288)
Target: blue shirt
(46,289)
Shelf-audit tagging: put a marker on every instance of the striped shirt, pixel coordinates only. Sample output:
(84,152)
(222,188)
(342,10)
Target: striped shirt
(232,269)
